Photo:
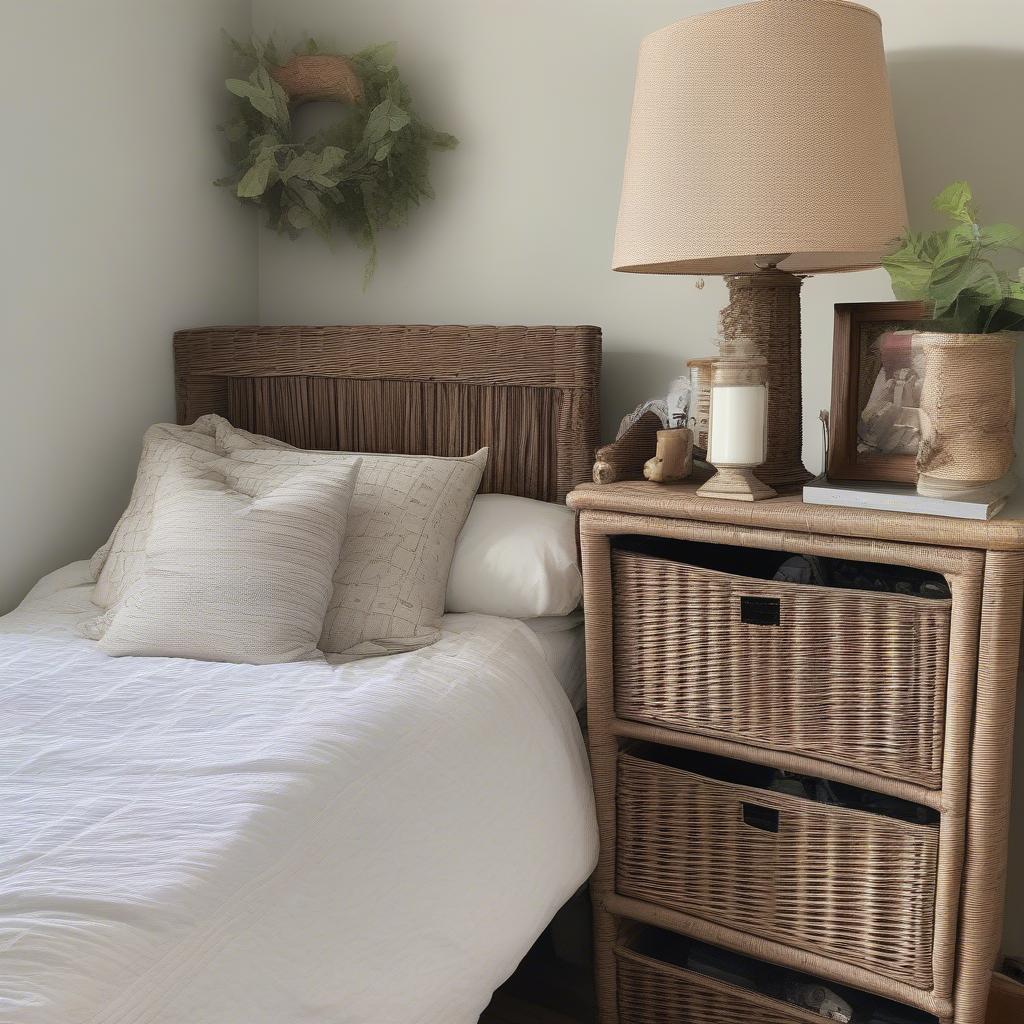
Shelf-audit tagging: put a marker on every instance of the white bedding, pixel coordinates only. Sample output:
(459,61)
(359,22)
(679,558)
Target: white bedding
(564,647)
(194,843)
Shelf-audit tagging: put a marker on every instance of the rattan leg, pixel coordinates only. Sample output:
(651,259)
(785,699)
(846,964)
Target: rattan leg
(597,600)
(963,666)
(981,913)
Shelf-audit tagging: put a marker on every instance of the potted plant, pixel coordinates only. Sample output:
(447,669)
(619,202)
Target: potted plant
(967,397)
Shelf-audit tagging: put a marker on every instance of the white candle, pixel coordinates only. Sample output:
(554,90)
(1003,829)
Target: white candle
(738,414)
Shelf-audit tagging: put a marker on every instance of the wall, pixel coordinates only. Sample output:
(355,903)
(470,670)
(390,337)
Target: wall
(113,237)
(539,93)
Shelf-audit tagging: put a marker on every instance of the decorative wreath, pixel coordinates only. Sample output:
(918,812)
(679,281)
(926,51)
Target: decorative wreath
(364,173)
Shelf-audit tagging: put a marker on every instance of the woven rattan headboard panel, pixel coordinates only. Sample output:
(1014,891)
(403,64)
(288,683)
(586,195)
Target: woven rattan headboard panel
(529,393)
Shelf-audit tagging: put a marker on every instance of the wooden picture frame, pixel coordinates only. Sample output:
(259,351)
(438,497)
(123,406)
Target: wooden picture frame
(845,462)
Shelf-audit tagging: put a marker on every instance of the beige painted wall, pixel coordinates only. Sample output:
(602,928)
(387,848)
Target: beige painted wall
(112,237)
(539,92)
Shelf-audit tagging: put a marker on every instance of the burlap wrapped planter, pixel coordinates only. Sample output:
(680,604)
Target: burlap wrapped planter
(967,416)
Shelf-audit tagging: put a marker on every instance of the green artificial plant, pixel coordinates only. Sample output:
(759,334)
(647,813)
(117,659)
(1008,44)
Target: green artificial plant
(364,173)
(955,270)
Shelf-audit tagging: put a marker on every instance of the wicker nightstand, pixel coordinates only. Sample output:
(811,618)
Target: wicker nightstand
(796,782)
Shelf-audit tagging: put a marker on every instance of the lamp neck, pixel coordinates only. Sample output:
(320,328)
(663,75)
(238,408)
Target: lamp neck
(765,277)
(770,261)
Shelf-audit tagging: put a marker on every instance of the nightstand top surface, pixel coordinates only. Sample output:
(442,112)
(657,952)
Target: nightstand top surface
(790,512)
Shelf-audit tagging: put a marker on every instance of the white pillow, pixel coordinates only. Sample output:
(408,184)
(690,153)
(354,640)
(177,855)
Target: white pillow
(119,562)
(406,515)
(515,557)
(239,561)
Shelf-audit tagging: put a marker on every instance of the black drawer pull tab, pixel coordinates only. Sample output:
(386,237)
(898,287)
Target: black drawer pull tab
(760,611)
(764,818)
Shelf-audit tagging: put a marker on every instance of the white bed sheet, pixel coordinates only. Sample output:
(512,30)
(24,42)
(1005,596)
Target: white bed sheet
(193,843)
(564,645)
(54,607)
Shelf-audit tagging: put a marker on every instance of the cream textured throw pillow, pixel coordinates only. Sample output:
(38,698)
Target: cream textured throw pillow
(120,561)
(406,515)
(239,560)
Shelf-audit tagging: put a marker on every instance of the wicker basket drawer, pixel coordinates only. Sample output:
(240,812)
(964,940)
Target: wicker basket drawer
(853,677)
(855,886)
(653,992)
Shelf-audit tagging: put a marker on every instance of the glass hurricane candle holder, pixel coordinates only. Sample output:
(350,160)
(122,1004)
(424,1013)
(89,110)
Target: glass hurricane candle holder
(738,431)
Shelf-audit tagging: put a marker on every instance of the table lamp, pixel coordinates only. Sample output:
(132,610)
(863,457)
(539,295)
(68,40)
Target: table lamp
(762,147)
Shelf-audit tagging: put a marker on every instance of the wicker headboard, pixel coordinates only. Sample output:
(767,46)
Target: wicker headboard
(529,393)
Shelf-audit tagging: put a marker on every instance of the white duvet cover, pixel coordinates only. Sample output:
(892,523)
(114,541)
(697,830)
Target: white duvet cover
(194,843)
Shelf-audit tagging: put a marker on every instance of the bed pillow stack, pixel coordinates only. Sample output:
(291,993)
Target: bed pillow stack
(396,517)
(407,513)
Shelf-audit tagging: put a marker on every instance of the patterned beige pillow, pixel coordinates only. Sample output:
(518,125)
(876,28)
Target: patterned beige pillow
(119,563)
(391,581)
(239,560)
(406,515)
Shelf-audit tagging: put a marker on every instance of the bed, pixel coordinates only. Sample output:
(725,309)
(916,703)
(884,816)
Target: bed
(378,841)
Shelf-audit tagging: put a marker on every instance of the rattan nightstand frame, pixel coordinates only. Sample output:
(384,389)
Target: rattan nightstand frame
(972,797)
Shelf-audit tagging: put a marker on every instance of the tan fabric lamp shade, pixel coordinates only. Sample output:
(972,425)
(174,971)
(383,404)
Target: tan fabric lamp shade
(760,129)
(762,147)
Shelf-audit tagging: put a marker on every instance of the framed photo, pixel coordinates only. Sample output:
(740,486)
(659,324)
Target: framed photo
(875,419)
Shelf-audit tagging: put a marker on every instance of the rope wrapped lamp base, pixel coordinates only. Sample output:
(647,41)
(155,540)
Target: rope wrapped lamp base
(764,310)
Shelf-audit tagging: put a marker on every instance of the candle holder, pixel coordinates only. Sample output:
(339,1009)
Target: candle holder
(738,431)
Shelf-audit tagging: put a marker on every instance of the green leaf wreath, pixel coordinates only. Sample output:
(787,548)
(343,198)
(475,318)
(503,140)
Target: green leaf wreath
(362,174)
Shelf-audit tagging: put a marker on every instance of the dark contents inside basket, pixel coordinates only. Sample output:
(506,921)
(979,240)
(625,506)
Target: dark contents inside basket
(755,776)
(783,566)
(771,981)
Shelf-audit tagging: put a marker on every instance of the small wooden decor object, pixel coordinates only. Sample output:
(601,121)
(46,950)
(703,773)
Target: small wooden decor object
(673,456)
(625,457)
